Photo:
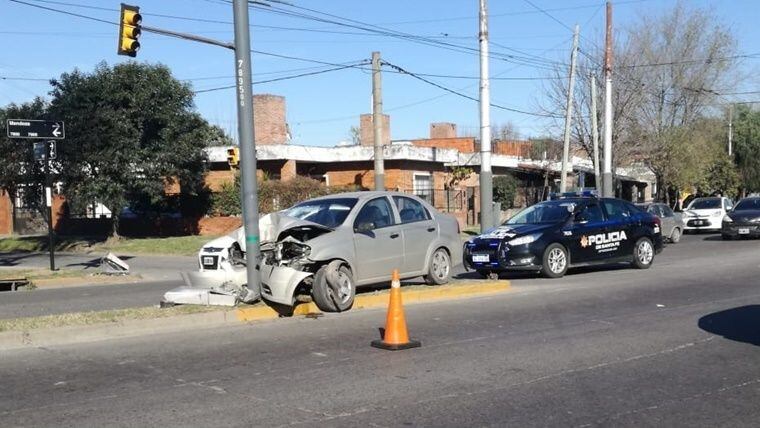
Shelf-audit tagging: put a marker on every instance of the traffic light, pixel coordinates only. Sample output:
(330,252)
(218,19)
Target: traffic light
(233,157)
(129,30)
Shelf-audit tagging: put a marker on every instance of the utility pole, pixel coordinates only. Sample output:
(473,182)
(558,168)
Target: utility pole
(607,190)
(569,113)
(730,129)
(595,132)
(486,179)
(377,121)
(247,146)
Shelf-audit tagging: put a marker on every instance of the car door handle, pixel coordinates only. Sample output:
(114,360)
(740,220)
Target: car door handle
(394,235)
(431,229)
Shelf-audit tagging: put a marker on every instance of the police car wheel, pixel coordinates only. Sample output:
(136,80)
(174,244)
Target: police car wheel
(643,253)
(555,262)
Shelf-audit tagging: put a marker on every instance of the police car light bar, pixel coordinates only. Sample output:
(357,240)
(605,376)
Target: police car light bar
(577,194)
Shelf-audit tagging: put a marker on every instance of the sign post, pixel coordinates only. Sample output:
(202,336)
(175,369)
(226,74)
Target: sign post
(48,130)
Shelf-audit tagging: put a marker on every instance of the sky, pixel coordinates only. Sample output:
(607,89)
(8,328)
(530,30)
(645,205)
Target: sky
(321,65)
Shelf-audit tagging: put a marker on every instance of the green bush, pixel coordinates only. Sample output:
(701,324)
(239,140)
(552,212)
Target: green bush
(505,190)
(273,195)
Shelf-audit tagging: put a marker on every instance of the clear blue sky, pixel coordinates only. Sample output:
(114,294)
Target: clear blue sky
(40,44)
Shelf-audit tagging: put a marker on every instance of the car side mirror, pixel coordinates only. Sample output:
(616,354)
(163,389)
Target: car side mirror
(364,227)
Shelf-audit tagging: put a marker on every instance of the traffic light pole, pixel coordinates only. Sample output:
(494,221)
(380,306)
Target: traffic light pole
(247,145)
(49,204)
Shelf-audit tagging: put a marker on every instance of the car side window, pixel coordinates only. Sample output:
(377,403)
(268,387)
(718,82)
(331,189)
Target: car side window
(377,213)
(616,210)
(593,213)
(667,211)
(410,210)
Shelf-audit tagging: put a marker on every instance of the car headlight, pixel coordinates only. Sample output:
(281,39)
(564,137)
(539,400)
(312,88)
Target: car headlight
(527,239)
(717,213)
(727,219)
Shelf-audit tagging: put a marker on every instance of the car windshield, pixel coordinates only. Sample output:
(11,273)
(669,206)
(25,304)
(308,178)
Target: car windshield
(544,212)
(705,204)
(327,212)
(748,204)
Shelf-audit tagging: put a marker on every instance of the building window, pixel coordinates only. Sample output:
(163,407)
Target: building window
(423,186)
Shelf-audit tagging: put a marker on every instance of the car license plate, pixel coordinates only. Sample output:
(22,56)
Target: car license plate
(743,231)
(481,258)
(208,261)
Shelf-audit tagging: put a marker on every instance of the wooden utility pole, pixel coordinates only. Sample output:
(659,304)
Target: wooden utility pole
(607,190)
(377,121)
(569,113)
(486,178)
(595,132)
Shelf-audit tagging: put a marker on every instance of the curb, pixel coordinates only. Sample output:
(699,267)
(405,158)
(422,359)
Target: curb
(130,328)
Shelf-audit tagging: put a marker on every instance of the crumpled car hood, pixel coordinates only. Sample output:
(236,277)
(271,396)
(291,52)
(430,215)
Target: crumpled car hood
(270,228)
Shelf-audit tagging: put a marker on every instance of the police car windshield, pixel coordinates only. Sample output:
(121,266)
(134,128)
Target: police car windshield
(748,204)
(705,204)
(327,212)
(543,213)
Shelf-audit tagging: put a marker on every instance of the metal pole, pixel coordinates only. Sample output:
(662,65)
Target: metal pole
(595,133)
(730,129)
(247,145)
(569,113)
(607,190)
(49,204)
(377,121)
(486,179)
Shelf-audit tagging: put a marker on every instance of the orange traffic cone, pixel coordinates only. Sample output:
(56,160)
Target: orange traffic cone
(396,336)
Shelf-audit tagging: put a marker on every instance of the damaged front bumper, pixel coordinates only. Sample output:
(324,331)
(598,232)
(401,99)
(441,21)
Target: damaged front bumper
(279,283)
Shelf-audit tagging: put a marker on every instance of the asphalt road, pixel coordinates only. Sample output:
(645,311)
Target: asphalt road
(675,345)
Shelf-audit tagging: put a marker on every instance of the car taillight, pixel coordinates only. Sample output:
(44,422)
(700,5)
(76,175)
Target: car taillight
(657,221)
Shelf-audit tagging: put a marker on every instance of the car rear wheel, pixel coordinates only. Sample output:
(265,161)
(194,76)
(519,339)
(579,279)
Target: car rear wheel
(643,254)
(334,288)
(555,261)
(675,235)
(439,268)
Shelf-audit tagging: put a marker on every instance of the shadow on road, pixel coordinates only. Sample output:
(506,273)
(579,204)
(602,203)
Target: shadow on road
(13,259)
(739,324)
(533,275)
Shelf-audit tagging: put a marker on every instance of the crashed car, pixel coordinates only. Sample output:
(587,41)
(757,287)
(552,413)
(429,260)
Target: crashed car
(572,229)
(323,248)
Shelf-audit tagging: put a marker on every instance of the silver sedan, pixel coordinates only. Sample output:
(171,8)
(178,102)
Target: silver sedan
(328,246)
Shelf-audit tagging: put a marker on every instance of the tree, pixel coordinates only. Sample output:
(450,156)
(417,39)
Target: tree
(506,131)
(505,190)
(667,68)
(130,129)
(747,146)
(18,169)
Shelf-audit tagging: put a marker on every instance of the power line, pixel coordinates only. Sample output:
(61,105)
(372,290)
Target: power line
(24,79)
(452,91)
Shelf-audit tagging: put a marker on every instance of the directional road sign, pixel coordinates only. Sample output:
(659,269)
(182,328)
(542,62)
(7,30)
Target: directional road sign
(40,129)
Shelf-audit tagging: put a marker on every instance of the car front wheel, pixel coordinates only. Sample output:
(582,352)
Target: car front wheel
(643,254)
(555,262)
(334,288)
(675,235)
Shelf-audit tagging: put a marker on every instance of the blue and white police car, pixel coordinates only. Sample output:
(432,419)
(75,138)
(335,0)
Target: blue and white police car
(569,230)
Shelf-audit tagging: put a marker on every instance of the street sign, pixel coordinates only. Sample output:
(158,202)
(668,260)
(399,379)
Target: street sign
(40,129)
(40,147)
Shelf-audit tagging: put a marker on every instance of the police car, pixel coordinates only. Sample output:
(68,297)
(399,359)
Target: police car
(569,230)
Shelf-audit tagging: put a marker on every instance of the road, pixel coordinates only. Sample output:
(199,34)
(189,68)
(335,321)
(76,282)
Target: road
(675,345)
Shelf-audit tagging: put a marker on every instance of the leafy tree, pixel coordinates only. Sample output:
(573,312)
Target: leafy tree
(747,146)
(130,130)
(18,169)
(722,178)
(505,190)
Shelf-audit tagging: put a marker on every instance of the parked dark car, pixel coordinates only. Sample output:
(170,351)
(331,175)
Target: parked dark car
(743,220)
(569,230)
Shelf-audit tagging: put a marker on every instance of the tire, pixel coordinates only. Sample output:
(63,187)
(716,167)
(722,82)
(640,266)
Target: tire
(439,267)
(643,253)
(555,261)
(675,235)
(323,293)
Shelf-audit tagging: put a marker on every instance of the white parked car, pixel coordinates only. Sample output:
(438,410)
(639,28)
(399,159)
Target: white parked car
(706,213)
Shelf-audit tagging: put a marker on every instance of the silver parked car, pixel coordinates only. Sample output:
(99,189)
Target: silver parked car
(326,247)
(672,223)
